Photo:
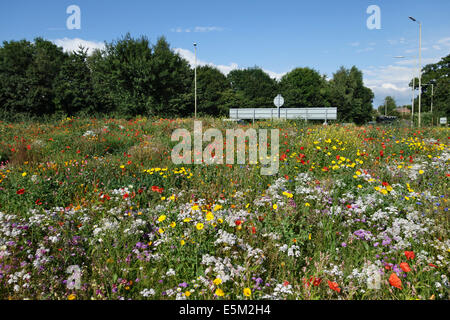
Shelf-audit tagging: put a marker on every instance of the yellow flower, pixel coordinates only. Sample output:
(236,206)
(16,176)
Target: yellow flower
(307,204)
(217,207)
(209,216)
(247,292)
(219,293)
(161,231)
(71,297)
(122,167)
(220,220)
(187,219)
(24,174)
(162,218)
(195,208)
(173,224)
(287,194)
(275,206)
(187,293)
(421,171)
(199,226)
(359,186)
(217,281)
(182,242)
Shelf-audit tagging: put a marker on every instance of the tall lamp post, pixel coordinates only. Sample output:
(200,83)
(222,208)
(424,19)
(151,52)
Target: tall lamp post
(195,81)
(420,62)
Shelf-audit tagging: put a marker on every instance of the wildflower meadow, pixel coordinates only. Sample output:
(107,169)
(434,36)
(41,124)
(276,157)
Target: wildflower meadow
(97,209)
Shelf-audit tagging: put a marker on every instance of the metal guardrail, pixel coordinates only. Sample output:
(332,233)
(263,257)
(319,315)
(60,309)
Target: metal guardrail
(284,113)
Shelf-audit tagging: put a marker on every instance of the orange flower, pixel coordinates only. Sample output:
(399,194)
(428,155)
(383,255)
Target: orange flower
(410,255)
(334,286)
(405,267)
(395,281)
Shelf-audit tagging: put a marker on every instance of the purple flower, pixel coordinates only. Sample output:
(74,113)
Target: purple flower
(386,241)
(343,244)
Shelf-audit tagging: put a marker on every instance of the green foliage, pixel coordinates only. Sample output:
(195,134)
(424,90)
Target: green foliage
(437,74)
(352,99)
(303,87)
(73,86)
(253,87)
(27,75)
(388,107)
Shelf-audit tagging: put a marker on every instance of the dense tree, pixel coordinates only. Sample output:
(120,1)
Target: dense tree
(211,87)
(437,74)
(172,80)
(348,93)
(303,87)
(73,86)
(123,78)
(132,77)
(253,87)
(27,74)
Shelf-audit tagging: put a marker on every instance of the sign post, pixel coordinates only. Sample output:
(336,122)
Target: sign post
(278,102)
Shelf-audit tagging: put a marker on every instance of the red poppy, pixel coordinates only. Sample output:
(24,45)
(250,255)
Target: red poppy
(286,283)
(334,286)
(253,230)
(432,265)
(410,255)
(238,222)
(405,267)
(21,191)
(317,281)
(395,281)
(38,202)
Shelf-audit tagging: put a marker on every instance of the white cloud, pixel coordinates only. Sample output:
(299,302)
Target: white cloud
(393,80)
(364,50)
(413,62)
(70,45)
(390,80)
(354,44)
(197,29)
(225,69)
(445,42)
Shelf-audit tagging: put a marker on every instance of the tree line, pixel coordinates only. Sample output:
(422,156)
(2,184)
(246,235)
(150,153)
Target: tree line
(130,77)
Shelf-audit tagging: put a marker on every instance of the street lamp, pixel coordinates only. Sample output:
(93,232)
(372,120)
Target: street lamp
(420,62)
(195,81)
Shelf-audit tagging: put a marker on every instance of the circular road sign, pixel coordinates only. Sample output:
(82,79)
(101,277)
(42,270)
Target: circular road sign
(278,101)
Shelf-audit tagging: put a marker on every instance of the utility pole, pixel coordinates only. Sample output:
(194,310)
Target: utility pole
(420,64)
(195,81)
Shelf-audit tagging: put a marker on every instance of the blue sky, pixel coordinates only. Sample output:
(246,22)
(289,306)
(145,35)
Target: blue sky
(274,35)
